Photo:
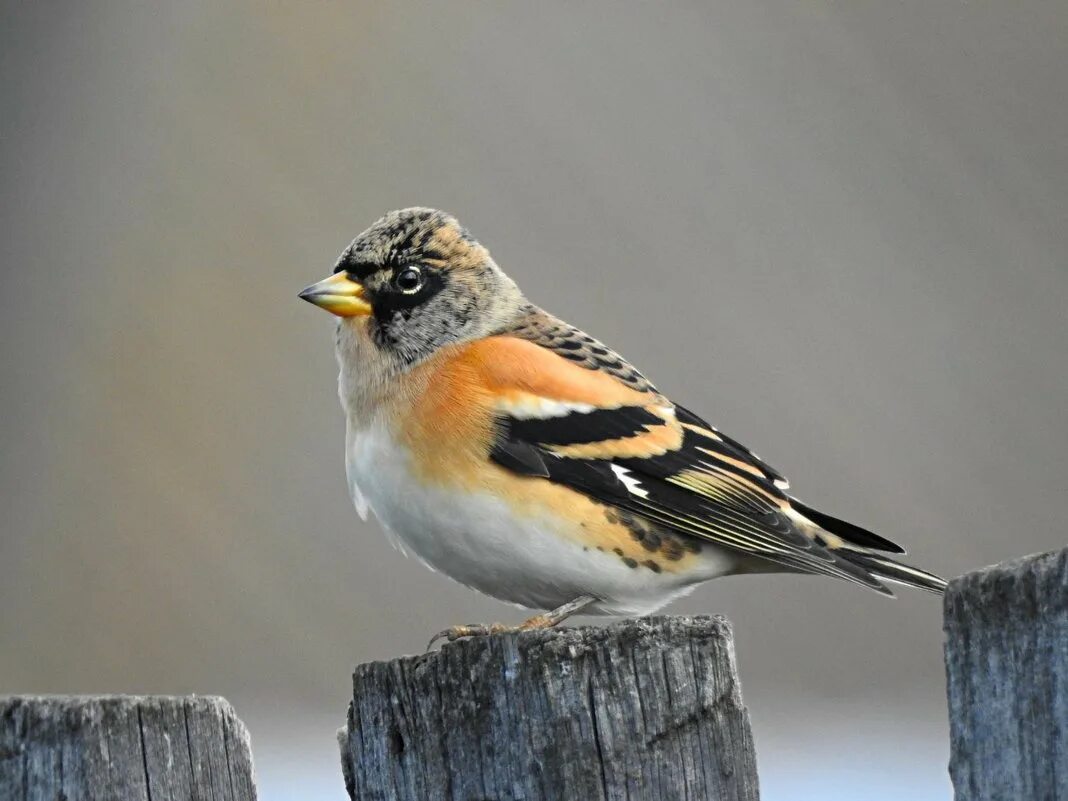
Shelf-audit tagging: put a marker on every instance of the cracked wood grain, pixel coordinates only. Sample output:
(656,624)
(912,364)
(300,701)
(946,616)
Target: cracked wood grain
(132,748)
(642,709)
(1006,654)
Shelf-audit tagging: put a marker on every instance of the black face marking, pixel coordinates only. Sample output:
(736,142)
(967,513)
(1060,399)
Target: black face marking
(389,300)
(357,270)
(412,324)
(408,280)
(428,282)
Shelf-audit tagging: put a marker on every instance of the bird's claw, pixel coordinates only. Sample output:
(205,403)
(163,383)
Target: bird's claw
(470,630)
(543,621)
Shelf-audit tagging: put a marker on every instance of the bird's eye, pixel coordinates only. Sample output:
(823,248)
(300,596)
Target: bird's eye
(409,280)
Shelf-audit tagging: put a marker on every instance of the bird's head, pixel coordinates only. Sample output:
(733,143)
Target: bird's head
(415,281)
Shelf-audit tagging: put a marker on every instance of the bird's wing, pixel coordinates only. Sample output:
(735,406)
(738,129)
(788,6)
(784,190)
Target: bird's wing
(622,443)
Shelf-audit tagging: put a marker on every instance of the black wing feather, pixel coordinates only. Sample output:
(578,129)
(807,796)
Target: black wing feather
(711,487)
(739,517)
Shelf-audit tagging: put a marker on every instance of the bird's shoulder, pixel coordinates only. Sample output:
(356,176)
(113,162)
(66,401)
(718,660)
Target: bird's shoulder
(571,343)
(537,378)
(537,366)
(645,407)
(541,381)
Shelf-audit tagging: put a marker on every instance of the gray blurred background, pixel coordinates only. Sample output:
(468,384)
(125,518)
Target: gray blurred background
(838,230)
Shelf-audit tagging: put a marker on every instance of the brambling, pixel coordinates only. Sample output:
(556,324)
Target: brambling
(522,457)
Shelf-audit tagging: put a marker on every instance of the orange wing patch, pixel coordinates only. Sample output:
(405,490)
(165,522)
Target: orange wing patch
(529,382)
(449,408)
(514,369)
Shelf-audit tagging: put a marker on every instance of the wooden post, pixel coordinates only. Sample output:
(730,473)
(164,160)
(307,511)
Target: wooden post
(125,748)
(1007,672)
(647,708)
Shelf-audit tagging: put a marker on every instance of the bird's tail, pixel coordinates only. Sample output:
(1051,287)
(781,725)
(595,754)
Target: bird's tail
(859,547)
(884,567)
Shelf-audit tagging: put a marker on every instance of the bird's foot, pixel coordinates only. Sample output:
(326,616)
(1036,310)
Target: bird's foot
(481,629)
(543,621)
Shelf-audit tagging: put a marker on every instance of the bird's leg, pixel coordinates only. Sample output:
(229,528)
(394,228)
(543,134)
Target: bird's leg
(545,620)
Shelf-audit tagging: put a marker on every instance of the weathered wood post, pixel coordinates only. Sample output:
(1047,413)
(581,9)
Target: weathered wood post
(646,708)
(123,748)
(1007,672)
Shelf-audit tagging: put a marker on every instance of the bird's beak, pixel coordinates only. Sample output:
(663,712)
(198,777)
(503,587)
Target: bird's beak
(339,295)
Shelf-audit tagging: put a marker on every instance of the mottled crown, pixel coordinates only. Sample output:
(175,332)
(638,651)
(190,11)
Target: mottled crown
(412,236)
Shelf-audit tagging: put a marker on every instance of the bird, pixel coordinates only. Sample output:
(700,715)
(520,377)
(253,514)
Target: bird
(522,457)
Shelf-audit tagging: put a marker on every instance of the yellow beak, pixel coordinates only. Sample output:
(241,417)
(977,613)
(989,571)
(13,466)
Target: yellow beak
(339,295)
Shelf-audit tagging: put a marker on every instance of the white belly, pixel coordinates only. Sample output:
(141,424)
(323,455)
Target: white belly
(476,539)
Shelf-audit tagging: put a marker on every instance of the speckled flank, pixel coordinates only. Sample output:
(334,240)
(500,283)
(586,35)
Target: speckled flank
(658,547)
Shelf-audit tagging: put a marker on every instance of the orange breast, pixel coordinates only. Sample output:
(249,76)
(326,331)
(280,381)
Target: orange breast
(445,416)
